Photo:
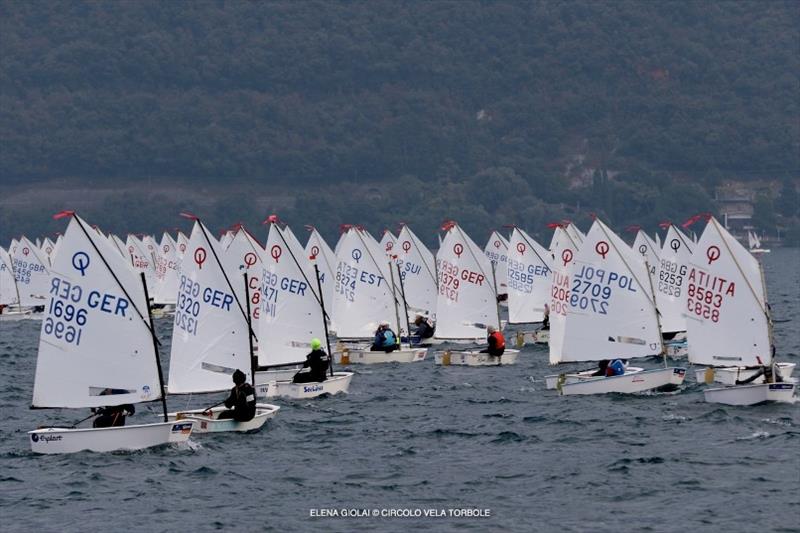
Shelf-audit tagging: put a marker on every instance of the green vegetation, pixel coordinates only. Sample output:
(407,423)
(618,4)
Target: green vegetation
(485,112)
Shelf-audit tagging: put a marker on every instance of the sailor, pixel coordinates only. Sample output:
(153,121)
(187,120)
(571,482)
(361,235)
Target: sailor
(602,367)
(317,364)
(546,319)
(497,343)
(615,368)
(241,402)
(771,375)
(114,415)
(424,328)
(385,339)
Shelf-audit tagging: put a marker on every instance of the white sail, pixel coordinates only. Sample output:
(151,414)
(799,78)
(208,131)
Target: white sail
(226,239)
(726,314)
(96,332)
(49,248)
(363,293)
(529,279)
(576,234)
(183,243)
(8,285)
(326,261)
(167,271)
(418,270)
(119,246)
(210,333)
(244,255)
(610,310)
(497,251)
(648,252)
(388,243)
(670,282)
(31,272)
(291,314)
(563,251)
(141,260)
(467,301)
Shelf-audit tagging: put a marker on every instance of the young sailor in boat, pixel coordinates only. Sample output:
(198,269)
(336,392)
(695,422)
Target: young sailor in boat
(609,368)
(497,343)
(241,403)
(385,339)
(424,329)
(546,319)
(317,364)
(114,415)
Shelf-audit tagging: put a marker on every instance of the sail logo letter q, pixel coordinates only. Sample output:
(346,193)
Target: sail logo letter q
(712,253)
(80,261)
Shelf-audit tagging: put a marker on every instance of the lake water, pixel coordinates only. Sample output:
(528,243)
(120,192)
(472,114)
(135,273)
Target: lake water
(415,439)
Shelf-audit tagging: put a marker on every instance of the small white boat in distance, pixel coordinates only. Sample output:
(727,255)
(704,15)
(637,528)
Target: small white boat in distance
(752,394)
(470,358)
(75,367)
(554,381)
(627,383)
(338,382)
(728,375)
(754,243)
(207,421)
(405,354)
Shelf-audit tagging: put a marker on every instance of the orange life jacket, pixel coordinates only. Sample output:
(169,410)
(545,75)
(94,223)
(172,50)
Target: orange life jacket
(500,341)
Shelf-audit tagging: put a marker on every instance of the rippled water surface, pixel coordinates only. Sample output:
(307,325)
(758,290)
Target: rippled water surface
(421,437)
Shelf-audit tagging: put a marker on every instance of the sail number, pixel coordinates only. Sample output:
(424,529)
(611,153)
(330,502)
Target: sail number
(670,278)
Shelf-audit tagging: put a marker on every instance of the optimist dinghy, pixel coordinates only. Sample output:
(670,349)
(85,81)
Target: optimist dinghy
(212,334)
(529,280)
(474,358)
(292,313)
(603,307)
(97,337)
(728,319)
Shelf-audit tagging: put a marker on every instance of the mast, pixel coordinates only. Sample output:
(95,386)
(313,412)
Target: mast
(324,314)
(155,348)
(250,327)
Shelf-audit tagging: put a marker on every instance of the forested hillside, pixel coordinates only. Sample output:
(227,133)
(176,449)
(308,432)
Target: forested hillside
(461,106)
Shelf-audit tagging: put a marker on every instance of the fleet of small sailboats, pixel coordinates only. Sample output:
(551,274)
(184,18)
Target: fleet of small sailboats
(238,305)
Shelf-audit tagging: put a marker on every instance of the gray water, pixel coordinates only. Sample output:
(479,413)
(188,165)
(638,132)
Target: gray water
(418,437)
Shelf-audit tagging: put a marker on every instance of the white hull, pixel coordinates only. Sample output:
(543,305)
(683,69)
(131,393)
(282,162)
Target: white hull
(25,314)
(478,341)
(210,424)
(367,357)
(551,381)
(137,437)
(278,374)
(339,382)
(759,251)
(729,374)
(627,383)
(448,358)
(752,394)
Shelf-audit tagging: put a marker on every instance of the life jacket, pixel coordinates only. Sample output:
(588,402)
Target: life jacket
(500,341)
(615,368)
(389,338)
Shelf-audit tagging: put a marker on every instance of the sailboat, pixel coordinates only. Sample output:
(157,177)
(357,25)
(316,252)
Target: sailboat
(388,242)
(496,250)
(368,290)
(417,275)
(670,285)
(529,280)
(31,272)
(97,338)
(467,302)
(292,314)
(603,307)
(211,335)
(729,322)
(754,243)
(168,267)
(9,291)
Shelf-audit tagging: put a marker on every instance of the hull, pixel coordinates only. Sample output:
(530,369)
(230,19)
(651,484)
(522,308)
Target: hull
(210,424)
(729,374)
(628,383)
(278,374)
(66,440)
(551,381)
(449,358)
(752,394)
(537,336)
(24,314)
(339,382)
(367,357)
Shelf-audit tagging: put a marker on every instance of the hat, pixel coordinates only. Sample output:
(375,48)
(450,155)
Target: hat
(491,329)
(239,377)
(383,323)
(316,344)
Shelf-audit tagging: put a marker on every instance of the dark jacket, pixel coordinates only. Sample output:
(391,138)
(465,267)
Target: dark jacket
(242,401)
(424,329)
(317,361)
